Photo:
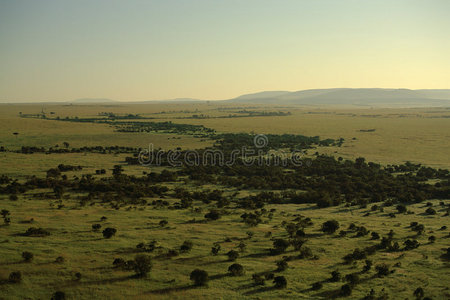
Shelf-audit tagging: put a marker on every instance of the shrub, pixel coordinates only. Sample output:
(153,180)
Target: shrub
(419,293)
(375,235)
(119,263)
(316,286)
(59,260)
(236,270)
(382,270)
(432,239)
(186,247)
(367,266)
(38,232)
(280,245)
(78,276)
(15,277)
(109,232)
(401,208)
(163,223)
(430,211)
(335,276)
(215,249)
(305,252)
(96,227)
(212,215)
(59,296)
(258,279)
(353,278)
(232,255)
(199,277)
(282,265)
(143,265)
(242,246)
(27,256)
(280,282)
(330,226)
(346,290)
(411,244)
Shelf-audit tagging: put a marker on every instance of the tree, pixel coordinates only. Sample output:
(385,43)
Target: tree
(401,208)
(419,293)
(186,247)
(215,249)
(212,215)
(15,277)
(27,256)
(280,245)
(346,290)
(109,232)
(232,255)
(236,270)
(59,296)
(199,277)
(330,226)
(143,265)
(280,282)
(335,276)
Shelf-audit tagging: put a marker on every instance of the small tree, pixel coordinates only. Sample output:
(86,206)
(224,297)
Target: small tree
(27,256)
(15,277)
(419,293)
(335,276)
(143,265)
(236,270)
(330,226)
(215,249)
(346,290)
(280,282)
(199,277)
(282,265)
(280,245)
(401,208)
(59,296)
(109,232)
(232,255)
(186,246)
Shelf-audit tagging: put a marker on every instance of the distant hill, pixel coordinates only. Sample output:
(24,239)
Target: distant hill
(363,96)
(92,100)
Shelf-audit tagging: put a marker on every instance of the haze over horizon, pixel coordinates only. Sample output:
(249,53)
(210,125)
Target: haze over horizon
(60,51)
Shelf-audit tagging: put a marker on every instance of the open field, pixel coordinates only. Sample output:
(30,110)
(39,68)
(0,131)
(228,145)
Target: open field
(256,207)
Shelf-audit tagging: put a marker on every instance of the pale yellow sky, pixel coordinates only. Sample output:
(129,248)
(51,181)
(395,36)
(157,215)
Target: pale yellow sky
(144,50)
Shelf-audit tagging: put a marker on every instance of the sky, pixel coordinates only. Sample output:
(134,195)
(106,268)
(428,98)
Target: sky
(149,50)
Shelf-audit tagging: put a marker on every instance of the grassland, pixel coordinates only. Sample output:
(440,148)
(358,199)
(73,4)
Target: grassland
(400,135)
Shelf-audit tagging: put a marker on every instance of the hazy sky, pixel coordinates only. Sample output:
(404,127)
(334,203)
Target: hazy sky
(142,50)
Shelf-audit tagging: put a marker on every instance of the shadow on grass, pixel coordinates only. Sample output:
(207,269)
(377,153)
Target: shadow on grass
(260,290)
(172,289)
(97,282)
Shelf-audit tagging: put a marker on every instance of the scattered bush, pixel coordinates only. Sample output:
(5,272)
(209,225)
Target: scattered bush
(330,226)
(258,279)
(236,270)
(96,227)
(346,290)
(335,276)
(419,293)
(143,265)
(15,277)
(59,296)
(430,211)
(59,260)
(36,232)
(280,282)
(282,265)
(109,232)
(316,286)
(212,215)
(27,256)
(199,277)
(186,247)
(215,249)
(232,255)
(382,270)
